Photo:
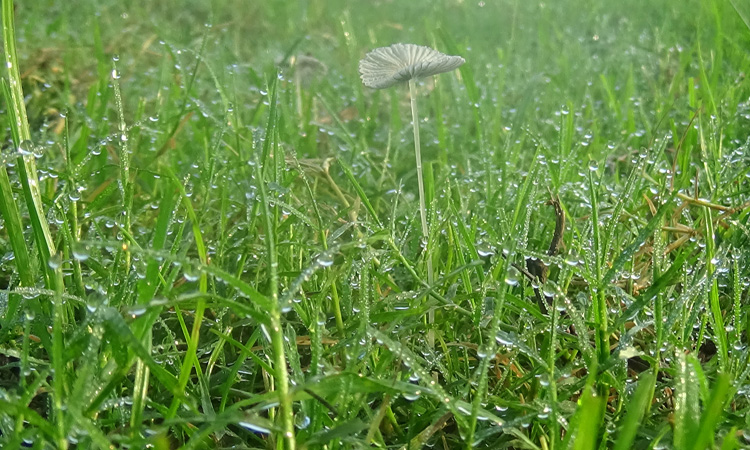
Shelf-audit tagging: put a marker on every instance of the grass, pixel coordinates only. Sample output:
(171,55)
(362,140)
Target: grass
(205,246)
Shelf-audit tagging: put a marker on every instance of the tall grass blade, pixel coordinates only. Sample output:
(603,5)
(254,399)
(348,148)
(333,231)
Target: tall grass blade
(26,164)
(591,411)
(191,358)
(12,216)
(712,414)
(687,404)
(275,319)
(636,408)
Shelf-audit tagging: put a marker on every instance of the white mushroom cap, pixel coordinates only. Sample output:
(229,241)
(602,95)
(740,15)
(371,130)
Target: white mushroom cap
(386,66)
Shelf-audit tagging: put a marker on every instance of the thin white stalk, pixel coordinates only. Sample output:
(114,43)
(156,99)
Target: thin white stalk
(422,205)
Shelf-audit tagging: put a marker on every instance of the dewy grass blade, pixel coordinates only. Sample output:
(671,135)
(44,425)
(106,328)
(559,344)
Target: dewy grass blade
(713,295)
(116,324)
(126,188)
(59,378)
(598,299)
(147,287)
(636,408)
(190,354)
(712,413)
(362,196)
(270,125)
(71,217)
(276,328)
(738,323)
(591,410)
(12,216)
(686,404)
(13,221)
(26,164)
(276,331)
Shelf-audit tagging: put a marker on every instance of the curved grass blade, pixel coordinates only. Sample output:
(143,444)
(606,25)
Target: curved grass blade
(26,164)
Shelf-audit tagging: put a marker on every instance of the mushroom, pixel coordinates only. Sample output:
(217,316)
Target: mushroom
(386,66)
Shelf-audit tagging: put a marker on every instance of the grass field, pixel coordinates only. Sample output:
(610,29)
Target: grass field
(211,240)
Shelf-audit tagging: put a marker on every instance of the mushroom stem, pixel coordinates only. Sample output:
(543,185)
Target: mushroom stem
(422,205)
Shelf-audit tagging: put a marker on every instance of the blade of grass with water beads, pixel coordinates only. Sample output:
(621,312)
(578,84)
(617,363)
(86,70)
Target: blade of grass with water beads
(20,130)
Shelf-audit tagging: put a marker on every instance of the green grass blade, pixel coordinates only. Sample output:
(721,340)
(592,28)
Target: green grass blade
(598,299)
(26,273)
(713,294)
(146,289)
(59,380)
(362,196)
(712,414)
(26,164)
(190,355)
(743,13)
(275,318)
(687,405)
(277,333)
(636,408)
(12,216)
(590,411)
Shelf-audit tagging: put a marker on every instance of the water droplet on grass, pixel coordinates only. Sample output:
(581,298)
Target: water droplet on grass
(325,259)
(191,274)
(511,278)
(55,261)
(26,148)
(411,396)
(254,427)
(302,421)
(484,250)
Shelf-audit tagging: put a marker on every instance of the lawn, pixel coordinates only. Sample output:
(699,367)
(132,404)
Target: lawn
(210,231)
